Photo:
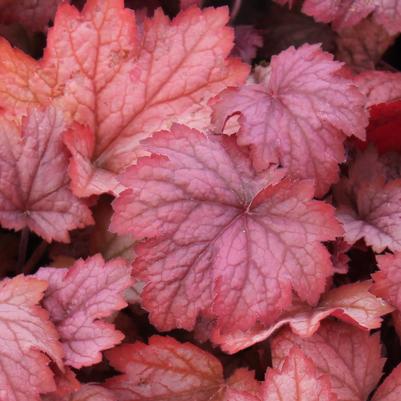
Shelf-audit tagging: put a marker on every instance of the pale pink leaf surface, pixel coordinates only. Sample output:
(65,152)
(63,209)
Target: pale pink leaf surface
(379,86)
(121,81)
(168,370)
(79,298)
(26,335)
(347,13)
(298,115)
(34,186)
(363,45)
(34,15)
(388,279)
(352,303)
(368,204)
(87,392)
(297,380)
(221,237)
(350,357)
(390,389)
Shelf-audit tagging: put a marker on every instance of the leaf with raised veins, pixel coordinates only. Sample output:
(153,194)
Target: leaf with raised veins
(79,298)
(122,81)
(220,237)
(34,184)
(297,115)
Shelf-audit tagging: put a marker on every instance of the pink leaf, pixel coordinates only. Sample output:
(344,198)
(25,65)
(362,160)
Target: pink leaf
(122,81)
(221,236)
(352,303)
(166,369)
(297,380)
(369,204)
(388,279)
(26,335)
(298,115)
(351,358)
(34,186)
(79,298)
(87,392)
(247,42)
(390,390)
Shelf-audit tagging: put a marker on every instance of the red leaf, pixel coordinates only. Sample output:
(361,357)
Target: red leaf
(297,380)
(390,390)
(122,81)
(166,369)
(87,392)
(298,115)
(344,14)
(352,303)
(221,236)
(351,358)
(388,279)
(34,186)
(25,336)
(369,204)
(79,298)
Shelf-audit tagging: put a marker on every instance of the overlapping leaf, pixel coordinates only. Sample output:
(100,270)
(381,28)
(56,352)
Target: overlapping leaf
(166,369)
(218,231)
(34,186)
(121,81)
(79,298)
(27,340)
(298,114)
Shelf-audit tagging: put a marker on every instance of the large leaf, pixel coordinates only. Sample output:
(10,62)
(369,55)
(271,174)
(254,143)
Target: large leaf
(26,335)
(168,370)
(79,298)
(122,81)
(221,237)
(34,185)
(298,114)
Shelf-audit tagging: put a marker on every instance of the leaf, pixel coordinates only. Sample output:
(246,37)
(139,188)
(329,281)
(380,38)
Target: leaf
(369,204)
(390,389)
(122,81)
(34,186)
(352,303)
(379,86)
(298,115)
(220,236)
(297,380)
(362,46)
(79,298)
(247,42)
(87,392)
(166,369)
(27,340)
(388,278)
(351,358)
(34,15)
(347,13)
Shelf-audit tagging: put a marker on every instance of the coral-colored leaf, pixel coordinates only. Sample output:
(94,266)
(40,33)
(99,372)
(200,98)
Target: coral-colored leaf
(218,231)
(388,279)
(26,335)
(34,15)
(297,380)
(298,115)
(79,298)
(87,392)
(390,390)
(34,186)
(347,13)
(379,86)
(351,358)
(369,204)
(166,369)
(352,303)
(122,81)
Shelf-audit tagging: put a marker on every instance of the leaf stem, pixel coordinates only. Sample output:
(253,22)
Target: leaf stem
(35,257)
(235,9)
(22,249)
